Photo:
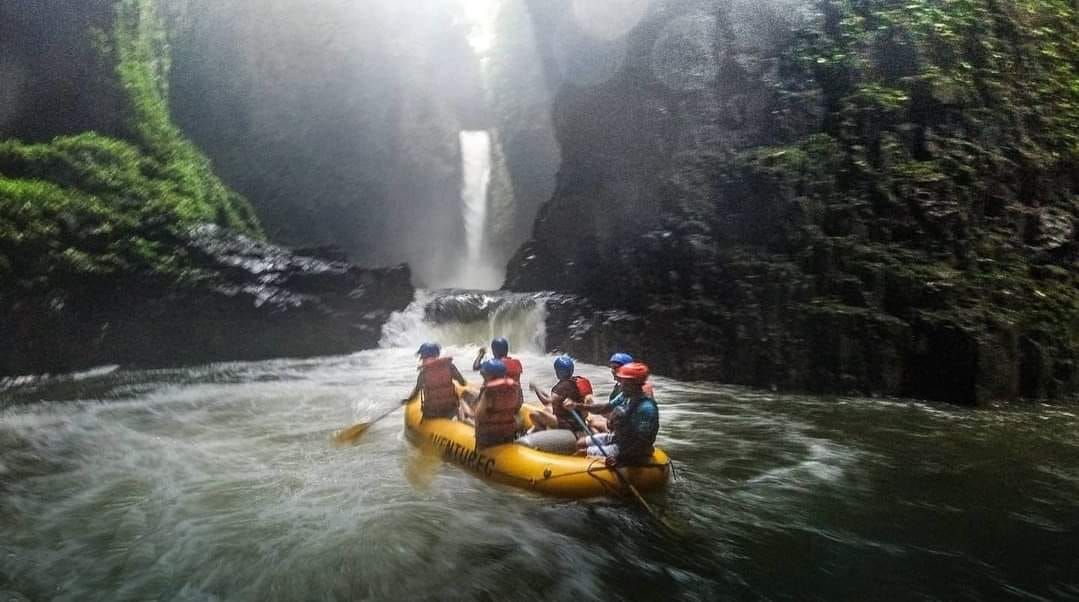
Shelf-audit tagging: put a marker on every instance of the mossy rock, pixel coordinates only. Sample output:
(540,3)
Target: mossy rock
(88,205)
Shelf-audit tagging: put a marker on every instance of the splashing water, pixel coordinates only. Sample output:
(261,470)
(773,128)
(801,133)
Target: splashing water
(468,319)
(220,482)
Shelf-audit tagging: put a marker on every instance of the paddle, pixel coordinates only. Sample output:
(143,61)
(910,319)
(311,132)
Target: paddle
(621,477)
(352,433)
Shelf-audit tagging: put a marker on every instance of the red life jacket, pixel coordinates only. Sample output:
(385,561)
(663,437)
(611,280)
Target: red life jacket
(439,394)
(584,386)
(498,423)
(513,368)
(565,417)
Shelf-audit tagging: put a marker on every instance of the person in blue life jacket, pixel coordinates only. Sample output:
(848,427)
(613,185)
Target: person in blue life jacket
(497,406)
(435,380)
(633,420)
(554,415)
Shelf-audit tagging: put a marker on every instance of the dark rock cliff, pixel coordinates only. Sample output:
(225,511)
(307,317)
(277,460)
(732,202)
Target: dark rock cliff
(252,300)
(340,120)
(875,196)
(121,245)
(55,78)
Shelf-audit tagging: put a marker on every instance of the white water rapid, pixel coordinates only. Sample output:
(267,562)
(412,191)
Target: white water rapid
(468,319)
(221,482)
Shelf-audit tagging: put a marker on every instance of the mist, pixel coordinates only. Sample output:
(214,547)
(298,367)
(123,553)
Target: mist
(342,122)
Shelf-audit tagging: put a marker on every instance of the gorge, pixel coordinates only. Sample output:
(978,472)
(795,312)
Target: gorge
(821,196)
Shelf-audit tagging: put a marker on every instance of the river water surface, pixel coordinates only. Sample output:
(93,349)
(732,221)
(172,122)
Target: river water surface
(221,482)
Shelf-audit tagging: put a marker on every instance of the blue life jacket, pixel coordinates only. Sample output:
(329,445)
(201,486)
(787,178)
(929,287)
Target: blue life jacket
(634,425)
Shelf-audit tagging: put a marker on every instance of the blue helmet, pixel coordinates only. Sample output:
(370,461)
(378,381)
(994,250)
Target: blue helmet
(429,350)
(500,347)
(621,359)
(493,368)
(563,366)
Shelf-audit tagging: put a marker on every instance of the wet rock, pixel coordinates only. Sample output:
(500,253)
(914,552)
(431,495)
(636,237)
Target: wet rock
(251,300)
(841,227)
(1050,229)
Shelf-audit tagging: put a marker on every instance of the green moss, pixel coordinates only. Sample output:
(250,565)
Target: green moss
(946,125)
(87,204)
(48,233)
(142,59)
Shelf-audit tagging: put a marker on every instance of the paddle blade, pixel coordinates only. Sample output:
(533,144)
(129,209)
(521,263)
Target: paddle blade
(351,434)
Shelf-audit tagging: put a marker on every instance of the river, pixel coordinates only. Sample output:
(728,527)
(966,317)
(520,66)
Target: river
(221,482)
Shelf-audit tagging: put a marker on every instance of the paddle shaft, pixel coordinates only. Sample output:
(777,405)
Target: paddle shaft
(354,432)
(388,412)
(614,469)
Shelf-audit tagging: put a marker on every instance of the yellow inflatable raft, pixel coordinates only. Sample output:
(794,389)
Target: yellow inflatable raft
(520,466)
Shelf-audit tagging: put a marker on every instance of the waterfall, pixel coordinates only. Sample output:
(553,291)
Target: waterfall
(478,268)
(476,178)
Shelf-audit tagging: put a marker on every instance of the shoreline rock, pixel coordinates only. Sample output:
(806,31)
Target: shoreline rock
(254,300)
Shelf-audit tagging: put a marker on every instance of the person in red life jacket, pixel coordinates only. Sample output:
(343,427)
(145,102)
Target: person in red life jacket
(500,348)
(554,415)
(497,408)
(633,420)
(435,381)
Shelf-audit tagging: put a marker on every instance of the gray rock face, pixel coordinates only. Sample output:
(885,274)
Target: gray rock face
(786,194)
(254,300)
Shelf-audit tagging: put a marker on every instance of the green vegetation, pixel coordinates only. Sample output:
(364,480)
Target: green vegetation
(1002,75)
(142,64)
(944,163)
(87,204)
(90,204)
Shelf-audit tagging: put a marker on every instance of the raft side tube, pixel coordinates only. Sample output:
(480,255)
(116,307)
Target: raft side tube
(520,466)
(554,441)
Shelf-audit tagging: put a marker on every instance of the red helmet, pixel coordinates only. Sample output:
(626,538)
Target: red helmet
(635,372)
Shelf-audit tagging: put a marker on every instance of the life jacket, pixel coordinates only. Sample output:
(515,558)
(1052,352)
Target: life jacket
(498,423)
(513,368)
(635,439)
(565,417)
(647,388)
(584,386)
(615,392)
(439,394)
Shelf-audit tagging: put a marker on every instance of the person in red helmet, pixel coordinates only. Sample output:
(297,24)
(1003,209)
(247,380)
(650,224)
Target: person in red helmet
(633,421)
(617,361)
(598,422)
